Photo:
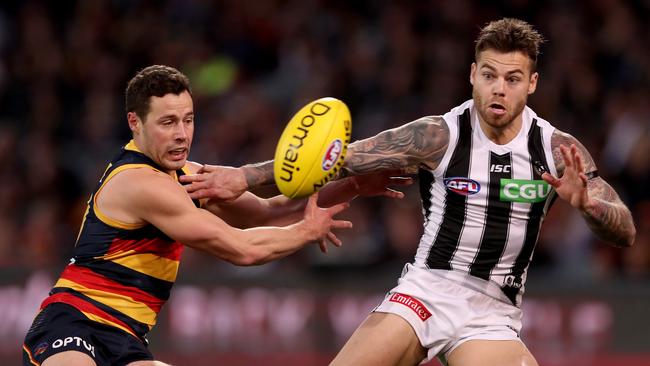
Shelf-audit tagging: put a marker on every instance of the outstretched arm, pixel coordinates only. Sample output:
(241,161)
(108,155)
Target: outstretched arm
(249,210)
(421,142)
(167,207)
(580,185)
(402,149)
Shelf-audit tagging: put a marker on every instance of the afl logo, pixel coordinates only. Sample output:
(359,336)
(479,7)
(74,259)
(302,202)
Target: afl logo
(463,186)
(332,154)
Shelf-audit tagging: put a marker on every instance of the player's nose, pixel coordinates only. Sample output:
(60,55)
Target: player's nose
(181,132)
(499,87)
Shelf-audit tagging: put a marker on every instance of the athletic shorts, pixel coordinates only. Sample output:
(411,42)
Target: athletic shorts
(60,327)
(445,314)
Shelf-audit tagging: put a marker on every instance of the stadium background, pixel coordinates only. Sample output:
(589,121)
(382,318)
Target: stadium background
(63,69)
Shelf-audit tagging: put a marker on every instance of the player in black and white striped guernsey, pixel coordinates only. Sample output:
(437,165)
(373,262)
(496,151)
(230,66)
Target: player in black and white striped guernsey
(488,174)
(484,203)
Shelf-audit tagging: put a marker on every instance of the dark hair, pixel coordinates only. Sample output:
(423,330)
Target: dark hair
(509,35)
(155,80)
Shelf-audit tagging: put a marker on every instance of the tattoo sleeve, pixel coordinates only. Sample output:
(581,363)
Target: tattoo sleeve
(421,142)
(259,174)
(606,215)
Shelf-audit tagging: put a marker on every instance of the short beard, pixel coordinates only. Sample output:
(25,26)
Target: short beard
(503,122)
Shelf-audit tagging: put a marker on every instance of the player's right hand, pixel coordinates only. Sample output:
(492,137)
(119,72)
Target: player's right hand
(319,222)
(222,183)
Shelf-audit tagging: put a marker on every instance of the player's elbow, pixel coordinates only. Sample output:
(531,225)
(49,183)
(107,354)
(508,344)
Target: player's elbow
(625,240)
(629,240)
(629,235)
(251,256)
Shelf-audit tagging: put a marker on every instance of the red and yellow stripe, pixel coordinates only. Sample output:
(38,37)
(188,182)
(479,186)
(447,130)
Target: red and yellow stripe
(128,300)
(89,310)
(153,257)
(165,249)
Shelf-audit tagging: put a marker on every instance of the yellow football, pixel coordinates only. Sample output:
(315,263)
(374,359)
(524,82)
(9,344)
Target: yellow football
(312,147)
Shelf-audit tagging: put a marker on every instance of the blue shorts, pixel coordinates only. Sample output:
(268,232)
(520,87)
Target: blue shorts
(60,327)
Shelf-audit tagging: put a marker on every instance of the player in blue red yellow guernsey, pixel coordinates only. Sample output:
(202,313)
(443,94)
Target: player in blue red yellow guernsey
(138,220)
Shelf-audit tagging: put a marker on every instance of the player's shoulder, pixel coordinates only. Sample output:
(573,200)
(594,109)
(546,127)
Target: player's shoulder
(130,193)
(436,120)
(142,184)
(559,137)
(433,128)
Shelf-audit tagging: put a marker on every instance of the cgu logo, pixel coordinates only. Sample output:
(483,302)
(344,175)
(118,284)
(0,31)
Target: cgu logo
(523,190)
(463,186)
(332,154)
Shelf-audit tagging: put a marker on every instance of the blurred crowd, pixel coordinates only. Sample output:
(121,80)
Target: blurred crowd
(64,67)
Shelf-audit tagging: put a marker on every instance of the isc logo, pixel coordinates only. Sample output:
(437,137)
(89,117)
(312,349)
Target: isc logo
(499,168)
(464,186)
(522,190)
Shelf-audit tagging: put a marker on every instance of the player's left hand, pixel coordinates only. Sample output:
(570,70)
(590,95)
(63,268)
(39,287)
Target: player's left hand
(215,182)
(572,187)
(377,184)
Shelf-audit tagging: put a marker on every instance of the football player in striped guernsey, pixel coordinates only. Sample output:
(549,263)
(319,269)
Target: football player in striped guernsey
(137,222)
(489,170)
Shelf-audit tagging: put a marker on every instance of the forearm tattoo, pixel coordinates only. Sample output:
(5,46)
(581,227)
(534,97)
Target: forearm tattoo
(423,141)
(608,217)
(259,174)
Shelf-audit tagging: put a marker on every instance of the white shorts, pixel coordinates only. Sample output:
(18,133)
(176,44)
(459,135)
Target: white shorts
(445,314)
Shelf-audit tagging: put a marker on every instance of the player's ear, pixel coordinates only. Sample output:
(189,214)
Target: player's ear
(472,71)
(134,122)
(533,83)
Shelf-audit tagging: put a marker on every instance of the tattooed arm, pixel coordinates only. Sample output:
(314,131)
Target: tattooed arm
(605,213)
(421,142)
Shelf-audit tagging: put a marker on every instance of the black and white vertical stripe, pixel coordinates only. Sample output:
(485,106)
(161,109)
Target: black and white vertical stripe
(497,220)
(477,233)
(448,236)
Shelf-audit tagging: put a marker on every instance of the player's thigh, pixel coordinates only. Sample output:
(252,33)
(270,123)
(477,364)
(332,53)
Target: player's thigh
(382,339)
(491,353)
(69,358)
(148,363)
